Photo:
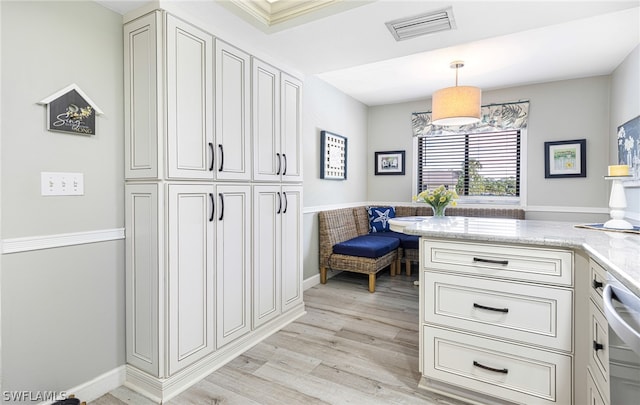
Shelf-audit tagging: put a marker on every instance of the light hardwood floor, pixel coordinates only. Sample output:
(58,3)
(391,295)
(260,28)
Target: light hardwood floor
(352,347)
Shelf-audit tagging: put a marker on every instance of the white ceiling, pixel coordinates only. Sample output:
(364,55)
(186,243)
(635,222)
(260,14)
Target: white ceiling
(503,43)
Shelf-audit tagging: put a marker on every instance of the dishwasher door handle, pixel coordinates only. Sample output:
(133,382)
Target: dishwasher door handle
(620,326)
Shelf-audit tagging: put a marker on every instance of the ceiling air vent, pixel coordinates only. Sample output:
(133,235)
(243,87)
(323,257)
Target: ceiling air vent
(411,27)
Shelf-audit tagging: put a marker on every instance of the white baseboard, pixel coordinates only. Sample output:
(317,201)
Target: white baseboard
(315,280)
(311,281)
(97,387)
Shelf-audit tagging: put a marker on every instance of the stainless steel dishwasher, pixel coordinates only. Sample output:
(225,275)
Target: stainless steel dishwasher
(622,310)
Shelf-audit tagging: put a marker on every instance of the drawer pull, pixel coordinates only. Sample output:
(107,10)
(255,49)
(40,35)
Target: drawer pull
(496,370)
(596,284)
(597,346)
(479,259)
(505,310)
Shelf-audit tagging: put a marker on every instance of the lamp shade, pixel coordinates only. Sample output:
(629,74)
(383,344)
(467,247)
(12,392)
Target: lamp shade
(459,105)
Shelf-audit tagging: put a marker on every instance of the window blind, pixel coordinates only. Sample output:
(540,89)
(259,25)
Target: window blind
(474,164)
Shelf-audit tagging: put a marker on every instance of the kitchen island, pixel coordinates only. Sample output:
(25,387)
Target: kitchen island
(504,305)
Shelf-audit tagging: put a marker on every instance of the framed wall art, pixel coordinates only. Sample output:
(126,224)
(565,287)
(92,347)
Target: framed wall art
(629,146)
(565,159)
(389,163)
(70,110)
(333,156)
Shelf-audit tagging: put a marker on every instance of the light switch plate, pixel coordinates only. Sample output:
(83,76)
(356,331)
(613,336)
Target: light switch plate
(57,183)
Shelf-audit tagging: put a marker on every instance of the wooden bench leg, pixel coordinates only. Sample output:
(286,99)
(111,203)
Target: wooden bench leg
(323,275)
(407,266)
(372,282)
(392,269)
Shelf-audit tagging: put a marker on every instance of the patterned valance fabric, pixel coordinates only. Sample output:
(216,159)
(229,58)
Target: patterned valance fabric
(493,118)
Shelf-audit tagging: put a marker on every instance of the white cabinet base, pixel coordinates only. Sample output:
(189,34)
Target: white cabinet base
(163,389)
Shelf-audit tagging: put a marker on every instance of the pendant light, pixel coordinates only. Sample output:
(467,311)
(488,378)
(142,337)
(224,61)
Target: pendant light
(459,105)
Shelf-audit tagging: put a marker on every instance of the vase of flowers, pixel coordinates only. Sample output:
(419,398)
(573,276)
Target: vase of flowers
(438,198)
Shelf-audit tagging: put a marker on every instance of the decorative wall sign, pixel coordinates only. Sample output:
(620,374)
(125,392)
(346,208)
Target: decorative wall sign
(391,163)
(629,146)
(565,159)
(70,110)
(333,156)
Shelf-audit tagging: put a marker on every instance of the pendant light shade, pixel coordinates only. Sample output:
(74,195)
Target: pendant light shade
(459,105)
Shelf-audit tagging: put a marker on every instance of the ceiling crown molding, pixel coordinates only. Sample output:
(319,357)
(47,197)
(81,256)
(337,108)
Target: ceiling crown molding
(271,12)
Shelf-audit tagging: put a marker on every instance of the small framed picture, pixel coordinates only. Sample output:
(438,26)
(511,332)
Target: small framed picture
(390,163)
(565,159)
(333,156)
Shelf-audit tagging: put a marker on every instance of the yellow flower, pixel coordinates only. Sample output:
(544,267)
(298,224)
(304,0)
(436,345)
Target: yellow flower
(438,197)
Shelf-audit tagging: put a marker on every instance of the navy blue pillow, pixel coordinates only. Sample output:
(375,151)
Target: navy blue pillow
(366,246)
(379,218)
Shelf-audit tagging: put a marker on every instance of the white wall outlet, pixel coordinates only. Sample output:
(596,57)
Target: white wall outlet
(56,183)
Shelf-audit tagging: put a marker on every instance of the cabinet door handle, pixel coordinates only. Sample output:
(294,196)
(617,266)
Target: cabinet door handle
(212,156)
(279,163)
(286,202)
(213,207)
(481,260)
(596,284)
(284,172)
(496,370)
(279,203)
(505,310)
(597,346)
(221,157)
(221,206)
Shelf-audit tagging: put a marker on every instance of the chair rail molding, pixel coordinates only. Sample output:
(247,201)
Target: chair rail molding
(30,243)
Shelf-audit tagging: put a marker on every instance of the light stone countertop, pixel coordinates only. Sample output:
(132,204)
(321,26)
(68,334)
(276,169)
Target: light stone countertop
(618,252)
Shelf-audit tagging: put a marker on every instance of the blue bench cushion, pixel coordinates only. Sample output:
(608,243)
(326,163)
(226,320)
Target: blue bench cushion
(406,241)
(366,246)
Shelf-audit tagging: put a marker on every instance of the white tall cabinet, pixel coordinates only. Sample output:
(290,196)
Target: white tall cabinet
(213,248)
(277,99)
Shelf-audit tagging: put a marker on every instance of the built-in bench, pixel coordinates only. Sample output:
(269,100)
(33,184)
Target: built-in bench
(353,240)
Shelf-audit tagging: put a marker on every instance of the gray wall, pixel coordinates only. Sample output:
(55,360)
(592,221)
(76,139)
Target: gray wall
(62,308)
(563,110)
(625,105)
(326,108)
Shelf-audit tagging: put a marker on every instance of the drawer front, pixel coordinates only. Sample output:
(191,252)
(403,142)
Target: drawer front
(511,372)
(549,266)
(594,397)
(599,349)
(534,314)
(597,281)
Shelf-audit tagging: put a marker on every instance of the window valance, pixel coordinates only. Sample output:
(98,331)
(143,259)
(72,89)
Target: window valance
(493,118)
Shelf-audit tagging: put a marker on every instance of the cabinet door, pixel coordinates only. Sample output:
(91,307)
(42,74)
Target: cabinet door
(291,127)
(268,160)
(233,261)
(190,235)
(267,210)
(291,247)
(232,113)
(599,349)
(141,63)
(141,279)
(189,54)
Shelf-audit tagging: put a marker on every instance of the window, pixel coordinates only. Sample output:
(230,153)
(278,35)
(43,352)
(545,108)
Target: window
(478,165)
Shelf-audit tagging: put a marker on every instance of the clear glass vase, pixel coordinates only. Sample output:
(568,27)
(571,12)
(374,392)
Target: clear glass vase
(438,211)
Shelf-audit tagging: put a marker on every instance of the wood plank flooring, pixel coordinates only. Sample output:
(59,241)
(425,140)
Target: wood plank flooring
(352,347)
